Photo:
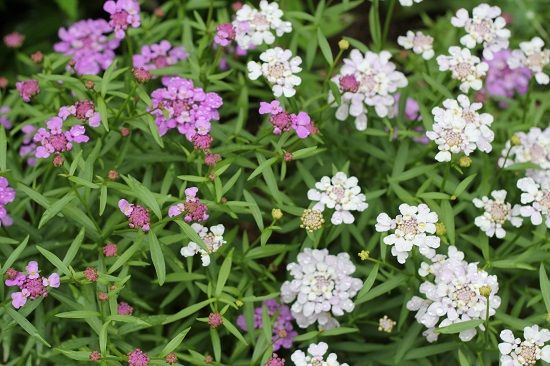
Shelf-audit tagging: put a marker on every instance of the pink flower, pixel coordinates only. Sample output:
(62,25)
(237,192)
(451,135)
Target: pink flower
(91,274)
(212,159)
(141,74)
(215,320)
(95,356)
(159,55)
(412,109)
(193,209)
(7,195)
(30,283)
(123,14)
(225,33)
(86,41)
(138,216)
(55,140)
(180,105)
(4,121)
(137,357)
(28,146)
(275,360)
(124,309)
(85,110)
(283,121)
(110,250)
(503,81)
(202,142)
(14,40)
(348,83)
(27,89)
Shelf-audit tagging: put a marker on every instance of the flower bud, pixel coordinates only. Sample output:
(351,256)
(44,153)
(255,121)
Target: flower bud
(364,255)
(465,161)
(276,213)
(141,74)
(287,156)
(215,320)
(343,44)
(485,291)
(113,174)
(3,83)
(515,140)
(440,229)
(89,84)
(171,358)
(37,57)
(58,160)
(95,356)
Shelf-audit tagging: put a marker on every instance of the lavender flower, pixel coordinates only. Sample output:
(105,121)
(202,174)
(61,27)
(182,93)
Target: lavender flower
(138,216)
(27,89)
(54,140)
(30,283)
(283,121)
(7,195)
(123,13)
(4,121)
(193,210)
(503,81)
(159,55)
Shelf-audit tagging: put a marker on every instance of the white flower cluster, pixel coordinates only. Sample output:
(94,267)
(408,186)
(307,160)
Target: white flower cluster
(409,2)
(454,294)
(537,200)
(213,239)
(531,147)
(412,227)
(419,43)
(315,356)
(526,352)
(458,127)
(341,194)
(367,80)
(534,56)
(255,27)
(464,67)
(486,27)
(497,212)
(279,68)
(322,287)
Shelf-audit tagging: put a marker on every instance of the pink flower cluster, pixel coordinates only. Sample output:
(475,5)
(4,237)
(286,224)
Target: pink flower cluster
(275,360)
(7,195)
(283,330)
(27,89)
(138,358)
(84,110)
(193,210)
(87,42)
(124,309)
(4,121)
(28,146)
(14,40)
(189,109)
(138,216)
(283,121)
(159,55)
(30,283)
(123,13)
(225,33)
(54,140)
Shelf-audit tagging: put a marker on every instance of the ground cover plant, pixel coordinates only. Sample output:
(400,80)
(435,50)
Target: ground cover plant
(309,183)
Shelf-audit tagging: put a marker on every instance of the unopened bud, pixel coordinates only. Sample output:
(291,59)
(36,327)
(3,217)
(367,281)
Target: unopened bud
(141,74)
(465,161)
(113,174)
(208,359)
(276,213)
(515,140)
(89,84)
(58,160)
(3,83)
(159,12)
(440,229)
(124,131)
(215,320)
(343,44)
(485,291)
(364,255)
(37,57)
(287,156)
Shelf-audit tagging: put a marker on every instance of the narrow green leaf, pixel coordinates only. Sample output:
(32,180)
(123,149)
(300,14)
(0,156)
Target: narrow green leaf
(26,325)
(55,208)
(174,343)
(233,330)
(78,314)
(14,255)
(54,260)
(157,257)
(223,275)
(545,287)
(102,109)
(3,149)
(187,311)
(459,327)
(325,47)
(75,246)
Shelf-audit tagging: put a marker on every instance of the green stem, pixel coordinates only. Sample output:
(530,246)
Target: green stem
(387,21)
(125,102)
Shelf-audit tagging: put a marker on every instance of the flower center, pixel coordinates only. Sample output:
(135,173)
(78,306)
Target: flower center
(316,362)
(463,295)
(59,142)
(537,153)
(453,138)
(322,283)
(544,201)
(209,239)
(499,212)
(369,84)
(83,108)
(337,193)
(422,41)
(483,29)
(260,21)
(160,61)
(277,70)
(469,116)
(463,70)
(528,353)
(407,225)
(120,19)
(281,121)
(139,216)
(536,60)
(35,287)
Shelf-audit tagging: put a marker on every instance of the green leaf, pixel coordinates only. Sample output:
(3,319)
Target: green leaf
(325,47)
(264,165)
(267,251)
(374,25)
(54,260)
(102,199)
(125,257)
(545,287)
(102,109)
(254,209)
(3,149)
(223,275)
(75,246)
(231,328)
(459,327)
(174,343)
(383,288)
(368,284)
(461,187)
(69,7)
(14,255)
(26,325)
(75,355)
(78,314)
(157,257)
(144,195)
(187,311)
(103,334)
(448,219)
(55,208)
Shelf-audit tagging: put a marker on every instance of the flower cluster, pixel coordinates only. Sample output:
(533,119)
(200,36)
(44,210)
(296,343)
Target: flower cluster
(14,40)
(28,146)
(193,210)
(485,27)
(364,81)
(496,212)
(30,283)
(409,2)
(158,55)
(502,80)
(7,195)
(88,44)
(533,56)
(212,238)
(283,330)
(283,121)
(83,110)
(464,67)
(517,352)
(316,356)
(123,13)
(458,127)
(414,226)
(340,193)
(279,68)
(56,140)
(27,89)
(138,216)
(537,201)
(4,121)
(189,109)
(454,295)
(138,358)
(322,287)
(419,43)
(254,27)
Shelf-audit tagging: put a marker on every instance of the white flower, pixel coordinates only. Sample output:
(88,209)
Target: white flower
(364,81)
(538,200)
(453,296)
(497,212)
(411,227)
(341,194)
(255,27)
(531,147)
(526,352)
(386,324)
(465,67)
(409,2)
(279,68)
(321,287)
(213,239)
(315,356)
(486,27)
(532,55)
(420,43)
(458,127)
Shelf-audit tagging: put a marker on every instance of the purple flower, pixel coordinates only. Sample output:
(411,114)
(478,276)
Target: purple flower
(123,14)
(283,330)
(4,121)
(138,216)
(193,210)
(124,309)
(225,33)
(27,89)
(503,81)
(412,109)
(180,105)
(54,140)
(7,195)
(283,121)
(14,40)
(31,284)
(159,55)
(86,41)
(28,146)
(137,357)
